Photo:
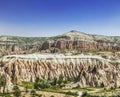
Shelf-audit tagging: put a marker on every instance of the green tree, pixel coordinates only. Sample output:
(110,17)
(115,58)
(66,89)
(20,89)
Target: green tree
(102,85)
(65,81)
(60,80)
(0,82)
(26,89)
(40,95)
(3,82)
(33,92)
(37,83)
(54,82)
(16,91)
(52,96)
(41,84)
(45,84)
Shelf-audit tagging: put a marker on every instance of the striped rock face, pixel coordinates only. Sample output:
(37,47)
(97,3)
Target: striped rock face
(88,70)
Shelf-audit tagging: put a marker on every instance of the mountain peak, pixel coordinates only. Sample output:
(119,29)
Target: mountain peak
(75,32)
(77,35)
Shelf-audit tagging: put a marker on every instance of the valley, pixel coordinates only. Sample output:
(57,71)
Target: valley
(74,64)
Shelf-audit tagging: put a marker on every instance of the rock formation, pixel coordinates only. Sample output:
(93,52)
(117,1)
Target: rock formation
(87,70)
(81,46)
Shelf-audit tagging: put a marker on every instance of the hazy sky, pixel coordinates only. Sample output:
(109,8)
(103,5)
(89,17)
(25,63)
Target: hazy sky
(54,17)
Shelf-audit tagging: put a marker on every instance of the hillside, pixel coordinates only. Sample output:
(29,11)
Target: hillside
(72,41)
(71,35)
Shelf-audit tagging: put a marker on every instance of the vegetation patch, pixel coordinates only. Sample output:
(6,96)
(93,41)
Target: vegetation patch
(72,93)
(29,85)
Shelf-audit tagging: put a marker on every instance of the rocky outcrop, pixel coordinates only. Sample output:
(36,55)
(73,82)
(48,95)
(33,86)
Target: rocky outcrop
(81,46)
(11,47)
(87,70)
(60,46)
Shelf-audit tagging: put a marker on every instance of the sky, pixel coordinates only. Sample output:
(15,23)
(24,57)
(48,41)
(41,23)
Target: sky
(44,18)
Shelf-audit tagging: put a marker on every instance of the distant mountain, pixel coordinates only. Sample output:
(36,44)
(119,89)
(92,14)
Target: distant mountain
(72,41)
(22,39)
(76,35)
(71,35)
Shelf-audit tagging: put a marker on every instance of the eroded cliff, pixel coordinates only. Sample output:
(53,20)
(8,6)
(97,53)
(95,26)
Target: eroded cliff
(88,70)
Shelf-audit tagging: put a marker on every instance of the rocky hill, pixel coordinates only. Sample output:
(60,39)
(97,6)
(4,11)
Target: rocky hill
(73,41)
